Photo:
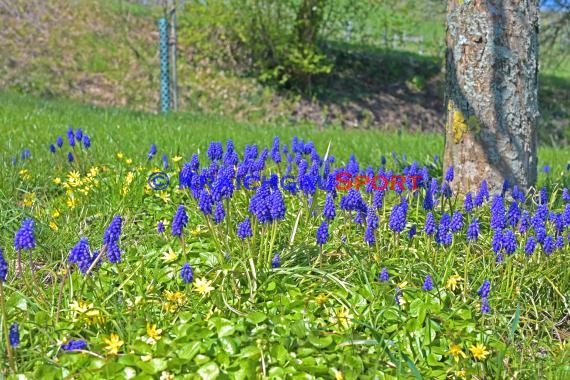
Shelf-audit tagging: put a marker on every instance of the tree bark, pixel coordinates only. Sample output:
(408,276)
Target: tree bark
(491,92)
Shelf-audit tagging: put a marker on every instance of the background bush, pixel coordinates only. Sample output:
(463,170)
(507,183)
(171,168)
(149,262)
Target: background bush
(278,41)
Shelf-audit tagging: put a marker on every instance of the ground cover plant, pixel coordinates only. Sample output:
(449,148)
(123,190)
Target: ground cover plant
(103,277)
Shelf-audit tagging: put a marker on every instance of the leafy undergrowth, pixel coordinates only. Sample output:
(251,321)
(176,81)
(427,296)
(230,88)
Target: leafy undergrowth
(332,283)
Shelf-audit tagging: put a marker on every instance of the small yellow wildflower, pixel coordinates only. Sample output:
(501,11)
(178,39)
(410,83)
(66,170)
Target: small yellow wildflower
(196,231)
(86,312)
(177,297)
(120,155)
(85,190)
(165,196)
(169,256)
(176,158)
(114,343)
(93,171)
(57,180)
(55,213)
(452,282)
(321,299)
(456,351)
(338,375)
(153,333)
(462,374)
(25,174)
(203,286)
(74,179)
(129,161)
(175,300)
(53,226)
(29,199)
(479,351)
(342,316)
(71,201)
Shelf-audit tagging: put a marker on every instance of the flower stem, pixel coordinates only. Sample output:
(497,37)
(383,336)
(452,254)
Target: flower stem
(5,328)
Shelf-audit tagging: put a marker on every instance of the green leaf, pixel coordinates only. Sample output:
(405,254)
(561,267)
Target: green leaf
(209,371)
(256,317)
(226,330)
(412,367)
(17,301)
(188,351)
(321,342)
(515,323)
(229,345)
(249,351)
(153,366)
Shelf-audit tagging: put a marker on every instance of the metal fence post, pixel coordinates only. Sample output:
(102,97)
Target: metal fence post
(164,78)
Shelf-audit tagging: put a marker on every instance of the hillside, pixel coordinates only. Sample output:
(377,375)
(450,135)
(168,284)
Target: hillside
(105,53)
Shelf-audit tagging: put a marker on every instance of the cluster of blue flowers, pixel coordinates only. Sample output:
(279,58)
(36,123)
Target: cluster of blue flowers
(111,240)
(25,238)
(77,137)
(81,255)
(268,205)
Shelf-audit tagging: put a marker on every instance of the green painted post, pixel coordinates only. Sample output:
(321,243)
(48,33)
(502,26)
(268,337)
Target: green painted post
(164,78)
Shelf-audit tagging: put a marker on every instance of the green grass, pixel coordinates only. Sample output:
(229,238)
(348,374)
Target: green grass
(323,312)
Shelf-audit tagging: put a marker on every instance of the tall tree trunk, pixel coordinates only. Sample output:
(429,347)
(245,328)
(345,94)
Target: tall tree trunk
(491,92)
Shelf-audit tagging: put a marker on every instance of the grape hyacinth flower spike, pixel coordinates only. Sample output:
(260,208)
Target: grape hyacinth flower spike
(25,240)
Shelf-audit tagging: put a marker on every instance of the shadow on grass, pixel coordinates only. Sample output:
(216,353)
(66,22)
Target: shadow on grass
(554,104)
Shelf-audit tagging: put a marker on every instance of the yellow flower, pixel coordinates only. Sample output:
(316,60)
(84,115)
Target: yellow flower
(57,180)
(461,374)
(479,351)
(165,196)
(114,343)
(175,299)
(71,201)
(55,213)
(196,231)
(93,171)
(456,351)
(169,256)
(129,161)
(29,199)
(338,375)
(129,178)
(74,178)
(86,312)
(176,158)
(153,333)
(120,155)
(452,282)
(321,299)
(203,286)
(342,316)
(25,174)
(53,226)
(166,376)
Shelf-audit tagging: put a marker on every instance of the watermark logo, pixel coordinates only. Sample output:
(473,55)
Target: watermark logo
(342,181)
(158,181)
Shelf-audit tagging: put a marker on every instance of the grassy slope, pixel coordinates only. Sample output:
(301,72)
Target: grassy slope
(105,53)
(29,122)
